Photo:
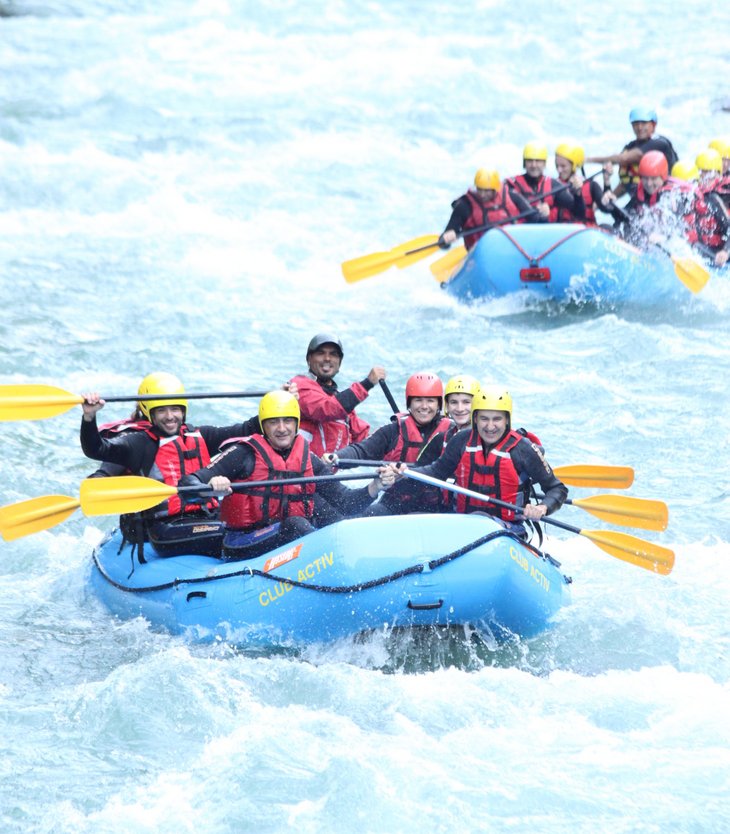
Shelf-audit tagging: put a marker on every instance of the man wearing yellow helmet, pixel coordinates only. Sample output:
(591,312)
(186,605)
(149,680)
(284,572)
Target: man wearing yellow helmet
(643,123)
(458,394)
(491,458)
(161,445)
(260,519)
(329,420)
(489,202)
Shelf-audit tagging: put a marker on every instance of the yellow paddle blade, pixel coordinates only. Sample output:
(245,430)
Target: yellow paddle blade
(125,494)
(368,265)
(430,241)
(34,515)
(35,402)
(622,509)
(443,268)
(692,274)
(635,551)
(603,477)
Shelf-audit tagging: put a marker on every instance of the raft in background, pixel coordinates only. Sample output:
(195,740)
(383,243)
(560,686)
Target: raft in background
(354,576)
(565,262)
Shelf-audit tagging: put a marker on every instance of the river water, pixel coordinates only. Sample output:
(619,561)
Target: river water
(180,183)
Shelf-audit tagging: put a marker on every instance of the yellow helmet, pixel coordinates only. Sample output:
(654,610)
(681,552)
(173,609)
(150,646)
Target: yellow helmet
(572,152)
(160,383)
(709,160)
(486,178)
(535,150)
(278,404)
(685,170)
(492,399)
(722,146)
(462,384)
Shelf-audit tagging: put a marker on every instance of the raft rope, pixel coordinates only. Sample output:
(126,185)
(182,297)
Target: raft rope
(535,261)
(333,589)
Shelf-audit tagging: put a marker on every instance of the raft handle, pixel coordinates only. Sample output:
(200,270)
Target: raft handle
(194,594)
(426,606)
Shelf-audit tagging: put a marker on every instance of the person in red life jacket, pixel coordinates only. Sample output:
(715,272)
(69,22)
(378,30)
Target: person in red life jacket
(643,123)
(418,434)
(659,204)
(491,458)
(488,202)
(161,446)
(536,188)
(712,219)
(568,160)
(329,421)
(458,394)
(260,519)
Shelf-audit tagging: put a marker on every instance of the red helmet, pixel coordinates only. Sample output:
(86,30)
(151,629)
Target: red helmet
(425,384)
(654,164)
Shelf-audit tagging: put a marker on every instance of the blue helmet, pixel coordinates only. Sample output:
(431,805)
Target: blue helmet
(643,114)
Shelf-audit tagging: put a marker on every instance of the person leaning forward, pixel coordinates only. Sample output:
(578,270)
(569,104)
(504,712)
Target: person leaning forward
(161,445)
(498,462)
(328,420)
(262,518)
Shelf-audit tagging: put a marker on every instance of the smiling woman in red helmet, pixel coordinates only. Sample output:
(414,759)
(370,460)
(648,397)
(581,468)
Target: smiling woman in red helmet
(496,461)
(418,434)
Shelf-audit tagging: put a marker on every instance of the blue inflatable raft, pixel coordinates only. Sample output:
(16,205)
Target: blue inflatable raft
(354,576)
(566,262)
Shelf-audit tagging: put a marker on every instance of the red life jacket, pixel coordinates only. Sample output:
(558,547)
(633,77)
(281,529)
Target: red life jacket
(176,457)
(709,231)
(493,474)
(261,506)
(501,208)
(559,214)
(410,440)
(590,218)
(542,189)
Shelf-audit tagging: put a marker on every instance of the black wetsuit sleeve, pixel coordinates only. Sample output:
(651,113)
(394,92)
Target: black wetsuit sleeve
(529,461)
(532,215)
(374,447)
(236,463)
(459,216)
(134,451)
(215,435)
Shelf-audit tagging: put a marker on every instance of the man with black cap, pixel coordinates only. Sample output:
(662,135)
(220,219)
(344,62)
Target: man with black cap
(328,418)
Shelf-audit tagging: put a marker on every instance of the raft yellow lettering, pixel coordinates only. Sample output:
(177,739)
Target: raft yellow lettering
(520,558)
(308,572)
(274,593)
(540,578)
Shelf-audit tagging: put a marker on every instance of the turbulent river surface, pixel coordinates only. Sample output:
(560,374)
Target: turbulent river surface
(180,184)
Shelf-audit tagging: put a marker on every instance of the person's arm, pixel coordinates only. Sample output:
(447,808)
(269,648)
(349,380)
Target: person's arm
(235,463)
(127,450)
(215,435)
(528,459)
(374,447)
(625,158)
(445,466)
(523,207)
(460,214)
(320,407)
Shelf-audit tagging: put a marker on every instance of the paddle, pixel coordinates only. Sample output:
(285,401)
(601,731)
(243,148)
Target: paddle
(388,396)
(691,273)
(34,515)
(578,475)
(625,510)
(134,493)
(366,266)
(630,549)
(36,402)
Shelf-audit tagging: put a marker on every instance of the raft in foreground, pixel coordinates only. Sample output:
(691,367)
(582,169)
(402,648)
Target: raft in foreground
(565,262)
(351,577)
